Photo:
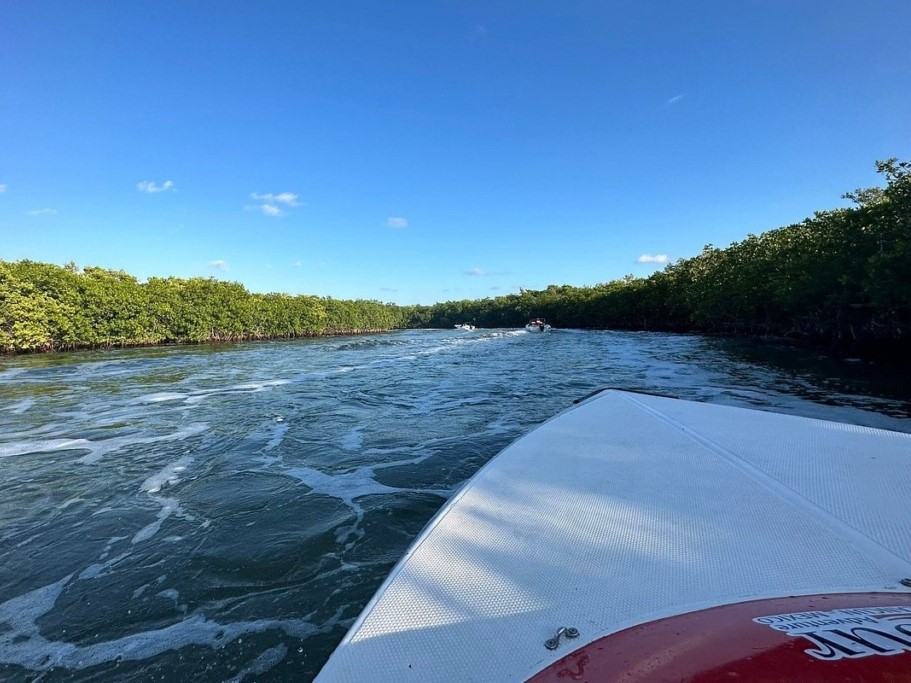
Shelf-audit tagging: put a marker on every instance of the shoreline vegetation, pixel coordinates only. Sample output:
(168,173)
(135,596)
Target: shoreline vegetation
(839,281)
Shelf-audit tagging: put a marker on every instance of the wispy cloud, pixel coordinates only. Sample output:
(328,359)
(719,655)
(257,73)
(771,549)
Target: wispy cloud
(652,258)
(265,209)
(270,201)
(286,198)
(2,188)
(41,212)
(396,222)
(297,264)
(151,187)
(219,265)
(676,98)
(388,289)
(480,272)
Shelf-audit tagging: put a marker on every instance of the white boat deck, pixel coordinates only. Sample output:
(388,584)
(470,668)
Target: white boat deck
(626,509)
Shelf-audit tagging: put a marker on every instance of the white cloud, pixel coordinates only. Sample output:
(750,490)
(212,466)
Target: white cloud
(396,222)
(297,264)
(270,202)
(286,198)
(219,265)
(480,272)
(652,258)
(151,187)
(2,188)
(388,289)
(676,98)
(41,212)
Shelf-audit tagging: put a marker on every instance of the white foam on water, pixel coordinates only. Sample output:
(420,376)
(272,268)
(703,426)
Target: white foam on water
(20,406)
(10,449)
(353,440)
(431,404)
(101,448)
(391,361)
(97,449)
(278,432)
(262,664)
(159,397)
(169,506)
(345,486)
(29,539)
(197,397)
(93,571)
(324,374)
(259,386)
(110,544)
(348,486)
(39,432)
(496,427)
(424,454)
(22,644)
(455,344)
(172,595)
(434,350)
(9,374)
(168,476)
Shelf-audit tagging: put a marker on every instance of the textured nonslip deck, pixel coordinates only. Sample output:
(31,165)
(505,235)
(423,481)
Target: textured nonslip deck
(629,508)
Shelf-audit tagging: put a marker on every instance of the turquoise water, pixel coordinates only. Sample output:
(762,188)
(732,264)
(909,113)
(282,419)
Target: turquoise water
(223,513)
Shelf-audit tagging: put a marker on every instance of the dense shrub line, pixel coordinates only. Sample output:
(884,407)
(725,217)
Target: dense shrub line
(46,307)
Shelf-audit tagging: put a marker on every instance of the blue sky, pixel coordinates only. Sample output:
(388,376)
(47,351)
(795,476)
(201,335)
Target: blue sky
(421,151)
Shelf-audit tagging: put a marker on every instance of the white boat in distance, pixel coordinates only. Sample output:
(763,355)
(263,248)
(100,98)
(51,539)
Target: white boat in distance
(537,325)
(465,326)
(641,538)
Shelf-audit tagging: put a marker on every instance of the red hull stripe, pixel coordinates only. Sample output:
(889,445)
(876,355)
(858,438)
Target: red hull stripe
(846,637)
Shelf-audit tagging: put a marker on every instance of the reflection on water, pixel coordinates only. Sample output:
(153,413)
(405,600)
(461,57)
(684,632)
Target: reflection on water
(224,512)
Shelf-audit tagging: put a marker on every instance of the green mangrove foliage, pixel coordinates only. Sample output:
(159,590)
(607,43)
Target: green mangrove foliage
(45,307)
(840,279)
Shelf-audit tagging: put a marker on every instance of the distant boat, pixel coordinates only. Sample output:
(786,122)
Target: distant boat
(537,325)
(640,538)
(465,326)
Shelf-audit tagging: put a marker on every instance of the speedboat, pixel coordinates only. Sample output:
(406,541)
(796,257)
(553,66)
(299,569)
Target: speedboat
(643,538)
(537,325)
(465,326)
